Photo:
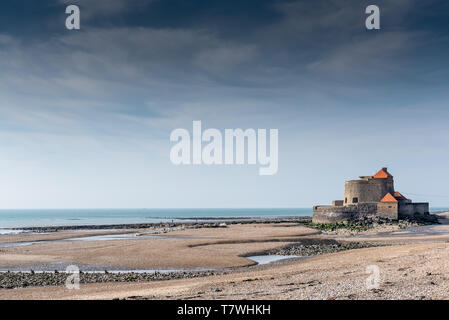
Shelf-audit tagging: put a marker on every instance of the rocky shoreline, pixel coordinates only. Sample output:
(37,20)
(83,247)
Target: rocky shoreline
(317,247)
(13,280)
(361,225)
(219,223)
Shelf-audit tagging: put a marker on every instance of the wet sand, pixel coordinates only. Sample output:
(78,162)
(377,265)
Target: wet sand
(412,266)
(191,248)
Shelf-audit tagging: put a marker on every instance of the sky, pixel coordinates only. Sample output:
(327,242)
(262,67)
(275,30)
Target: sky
(86,115)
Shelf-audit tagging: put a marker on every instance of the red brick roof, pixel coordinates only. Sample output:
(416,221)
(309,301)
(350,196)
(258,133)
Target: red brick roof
(388,198)
(383,173)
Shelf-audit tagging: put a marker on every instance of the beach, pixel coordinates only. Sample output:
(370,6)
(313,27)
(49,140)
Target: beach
(215,261)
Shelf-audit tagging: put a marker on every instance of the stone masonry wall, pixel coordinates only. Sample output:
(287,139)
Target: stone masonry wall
(409,210)
(372,190)
(332,214)
(388,210)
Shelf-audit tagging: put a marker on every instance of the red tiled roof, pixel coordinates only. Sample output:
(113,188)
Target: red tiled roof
(388,198)
(399,196)
(383,173)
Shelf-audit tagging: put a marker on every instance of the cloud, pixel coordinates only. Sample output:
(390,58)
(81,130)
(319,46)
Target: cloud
(225,59)
(375,55)
(146,54)
(112,73)
(106,8)
(99,82)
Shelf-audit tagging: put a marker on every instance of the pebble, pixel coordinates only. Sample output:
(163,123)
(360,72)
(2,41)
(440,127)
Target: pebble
(12,280)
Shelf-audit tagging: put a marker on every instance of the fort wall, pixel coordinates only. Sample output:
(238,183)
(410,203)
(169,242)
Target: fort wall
(337,203)
(388,210)
(409,210)
(332,214)
(369,190)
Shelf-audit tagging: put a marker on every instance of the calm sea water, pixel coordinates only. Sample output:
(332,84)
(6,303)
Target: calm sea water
(65,217)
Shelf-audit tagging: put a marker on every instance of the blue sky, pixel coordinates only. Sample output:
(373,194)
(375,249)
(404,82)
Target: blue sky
(86,116)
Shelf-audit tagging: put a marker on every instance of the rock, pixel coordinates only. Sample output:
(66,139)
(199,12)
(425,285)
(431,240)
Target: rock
(21,280)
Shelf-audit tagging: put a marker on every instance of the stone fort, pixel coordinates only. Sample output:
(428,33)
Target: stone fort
(370,196)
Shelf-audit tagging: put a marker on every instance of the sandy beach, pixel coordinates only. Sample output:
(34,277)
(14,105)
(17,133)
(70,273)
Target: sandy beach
(412,262)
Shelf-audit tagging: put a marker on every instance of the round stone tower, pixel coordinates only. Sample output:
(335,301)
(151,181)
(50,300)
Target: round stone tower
(369,188)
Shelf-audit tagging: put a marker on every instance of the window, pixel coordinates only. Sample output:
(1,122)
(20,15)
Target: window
(346,200)
(355,200)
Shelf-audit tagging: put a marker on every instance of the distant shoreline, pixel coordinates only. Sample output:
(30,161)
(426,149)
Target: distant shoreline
(32,218)
(200,222)
(158,221)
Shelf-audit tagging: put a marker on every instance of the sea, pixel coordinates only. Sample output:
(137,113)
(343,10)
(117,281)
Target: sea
(20,218)
(78,217)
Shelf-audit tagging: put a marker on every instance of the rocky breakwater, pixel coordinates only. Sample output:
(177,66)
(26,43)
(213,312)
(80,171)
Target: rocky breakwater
(12,280)
(312,247)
